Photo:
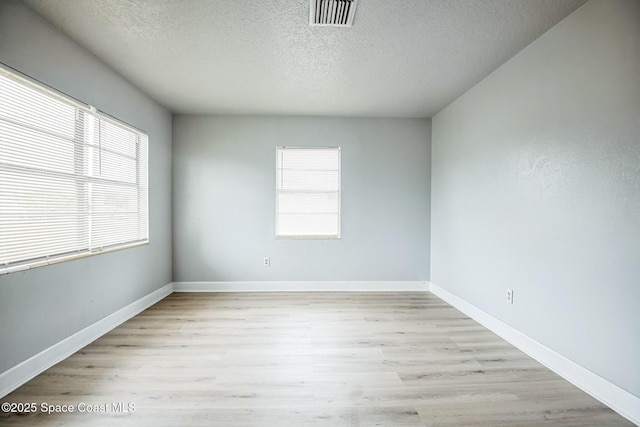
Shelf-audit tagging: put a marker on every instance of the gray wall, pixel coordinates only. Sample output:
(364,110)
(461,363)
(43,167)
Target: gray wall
(536,187)
(224,199)
(40,307)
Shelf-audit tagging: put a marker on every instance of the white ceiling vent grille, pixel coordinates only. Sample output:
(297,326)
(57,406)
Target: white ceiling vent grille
(335,13)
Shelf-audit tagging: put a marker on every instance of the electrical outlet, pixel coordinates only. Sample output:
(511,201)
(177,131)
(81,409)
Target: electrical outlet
(510,296)
(266,262)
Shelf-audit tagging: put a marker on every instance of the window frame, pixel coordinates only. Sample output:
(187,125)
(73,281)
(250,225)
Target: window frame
(141,185)
(338,235)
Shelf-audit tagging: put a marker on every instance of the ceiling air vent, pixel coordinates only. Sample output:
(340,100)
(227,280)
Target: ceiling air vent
(335,13)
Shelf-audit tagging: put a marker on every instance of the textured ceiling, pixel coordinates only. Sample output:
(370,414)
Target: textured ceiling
(401,58)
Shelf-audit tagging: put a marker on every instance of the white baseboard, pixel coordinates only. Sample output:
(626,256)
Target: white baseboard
(618,399)
(285,286)
(23,372)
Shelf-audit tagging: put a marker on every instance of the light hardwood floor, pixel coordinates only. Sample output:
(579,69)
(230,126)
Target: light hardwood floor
(306,359)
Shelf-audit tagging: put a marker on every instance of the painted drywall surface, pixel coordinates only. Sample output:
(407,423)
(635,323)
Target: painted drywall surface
(40,307)
(224,199)
(536,187)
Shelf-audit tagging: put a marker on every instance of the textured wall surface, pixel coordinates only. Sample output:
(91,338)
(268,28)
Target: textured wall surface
(41,307)
(224,199)
(536,187)
(404,58)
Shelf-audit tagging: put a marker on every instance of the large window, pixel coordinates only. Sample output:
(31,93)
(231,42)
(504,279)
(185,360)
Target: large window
(308,193)
(73,181)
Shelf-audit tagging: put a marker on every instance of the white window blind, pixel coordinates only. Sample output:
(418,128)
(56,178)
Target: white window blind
(72,180)
(308,192)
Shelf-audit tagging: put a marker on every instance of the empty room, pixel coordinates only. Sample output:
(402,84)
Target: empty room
(320,213)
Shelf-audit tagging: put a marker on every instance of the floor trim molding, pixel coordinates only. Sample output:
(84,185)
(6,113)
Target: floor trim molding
(23,372)
(618,399)
(301,286)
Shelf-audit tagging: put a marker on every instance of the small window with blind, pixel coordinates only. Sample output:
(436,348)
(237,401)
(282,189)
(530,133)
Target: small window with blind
(308,193)
(73,181)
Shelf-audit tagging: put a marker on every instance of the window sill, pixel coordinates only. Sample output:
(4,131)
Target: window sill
(308,237)
(65,258)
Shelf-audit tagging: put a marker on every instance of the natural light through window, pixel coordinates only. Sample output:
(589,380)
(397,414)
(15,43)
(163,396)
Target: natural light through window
(73,181)
(308,193)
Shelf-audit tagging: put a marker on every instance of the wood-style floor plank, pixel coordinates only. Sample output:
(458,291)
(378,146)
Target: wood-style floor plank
(306,359)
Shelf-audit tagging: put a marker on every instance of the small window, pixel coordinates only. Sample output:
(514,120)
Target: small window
(73,181)
(308,193)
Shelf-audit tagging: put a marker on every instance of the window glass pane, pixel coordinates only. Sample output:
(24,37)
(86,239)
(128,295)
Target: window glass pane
(310,159)
(29,148)
(308,192)
(71,179)
(307,203)
(309,180)
(38,215)
(31,108)
(113,166)
(113,228)
(115,138)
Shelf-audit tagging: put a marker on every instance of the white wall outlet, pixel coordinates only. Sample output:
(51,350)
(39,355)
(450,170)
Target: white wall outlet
(266,262)
(510,296)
